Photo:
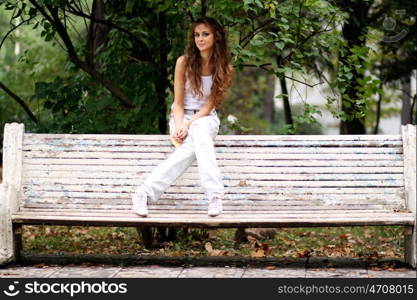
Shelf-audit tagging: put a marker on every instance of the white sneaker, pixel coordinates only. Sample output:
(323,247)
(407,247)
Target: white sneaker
(140,200)
(215,206)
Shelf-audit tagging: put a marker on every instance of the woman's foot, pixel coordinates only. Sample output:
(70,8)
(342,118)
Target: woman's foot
(215,206)
(140,200)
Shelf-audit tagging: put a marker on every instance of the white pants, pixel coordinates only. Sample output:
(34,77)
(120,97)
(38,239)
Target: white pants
(197,145)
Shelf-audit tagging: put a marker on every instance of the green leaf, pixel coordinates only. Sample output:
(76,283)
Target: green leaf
(129,6)
(279,45)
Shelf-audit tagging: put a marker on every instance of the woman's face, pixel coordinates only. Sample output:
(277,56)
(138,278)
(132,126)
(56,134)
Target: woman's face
(203,37)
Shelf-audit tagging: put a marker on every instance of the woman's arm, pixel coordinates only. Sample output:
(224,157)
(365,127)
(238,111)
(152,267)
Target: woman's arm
(204,111)
(179,85)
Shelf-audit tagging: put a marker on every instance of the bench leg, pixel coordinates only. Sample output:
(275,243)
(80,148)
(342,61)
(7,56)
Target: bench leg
(410,242)
(147,235)
(408,133)
(240,237)
(6,230)
(17,241)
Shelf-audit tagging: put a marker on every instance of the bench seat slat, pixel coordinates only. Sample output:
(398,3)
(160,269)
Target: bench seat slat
(253,207)
(151,137)
(58,153)
(224,220)
(272,150)
(221,162)
(89,195)
(128,187)
(227,204)
(231,143)
(126,174)
(262,184)
(227,214)
(55,211)
(225,169)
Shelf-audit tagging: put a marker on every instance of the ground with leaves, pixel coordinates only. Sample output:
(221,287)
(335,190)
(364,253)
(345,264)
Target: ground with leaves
(364,242)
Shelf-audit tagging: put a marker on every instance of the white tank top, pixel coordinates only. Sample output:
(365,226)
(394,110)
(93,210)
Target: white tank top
(193,102)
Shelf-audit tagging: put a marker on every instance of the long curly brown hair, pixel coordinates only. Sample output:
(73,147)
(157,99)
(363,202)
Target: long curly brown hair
(220,61)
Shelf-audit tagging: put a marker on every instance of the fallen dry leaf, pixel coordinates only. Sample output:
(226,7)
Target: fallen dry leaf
(208,247)
(301,253)
(252,240)
(288,242)
(258,253)
(196,243)
(214,252)
(266,249)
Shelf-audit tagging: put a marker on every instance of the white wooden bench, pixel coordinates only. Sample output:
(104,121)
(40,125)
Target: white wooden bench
(270,181)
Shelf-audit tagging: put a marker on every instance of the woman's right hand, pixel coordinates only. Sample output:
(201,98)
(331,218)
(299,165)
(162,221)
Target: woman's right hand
(181,133)
(175,139)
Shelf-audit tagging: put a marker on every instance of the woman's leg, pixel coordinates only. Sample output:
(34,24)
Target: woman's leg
(202,133)
(169,170)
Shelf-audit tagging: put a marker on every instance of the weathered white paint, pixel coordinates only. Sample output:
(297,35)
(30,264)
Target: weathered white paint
(30,192)
(5,254)
(12,186)
(58,153)
(296,173)
(234,220)
(75,166)
(152,149)
(159,137)
(221,162)
(270,180)
(122,173)
(410,151)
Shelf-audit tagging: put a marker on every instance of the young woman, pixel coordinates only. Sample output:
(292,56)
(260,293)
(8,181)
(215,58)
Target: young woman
(201,79)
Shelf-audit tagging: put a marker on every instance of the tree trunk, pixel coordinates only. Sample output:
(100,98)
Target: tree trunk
(162,83)
(406,101)
(378,110)
(352,31)
(285,100)
(97,33)
(269,106)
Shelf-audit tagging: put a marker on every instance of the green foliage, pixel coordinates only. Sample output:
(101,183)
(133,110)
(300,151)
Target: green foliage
(281,38)
(19,71)
(245,103)
(355,68)
(305,122)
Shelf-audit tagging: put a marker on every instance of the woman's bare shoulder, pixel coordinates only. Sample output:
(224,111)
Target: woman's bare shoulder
(181,60)
(181,64)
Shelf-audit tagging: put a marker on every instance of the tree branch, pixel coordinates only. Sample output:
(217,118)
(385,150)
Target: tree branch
(264,67)
(11,30)
(288,56)
(20,101)
(203,8)
(188,12)
(72,54)
(248,37)
(148,54)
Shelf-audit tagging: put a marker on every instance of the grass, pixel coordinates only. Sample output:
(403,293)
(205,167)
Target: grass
(372,241)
